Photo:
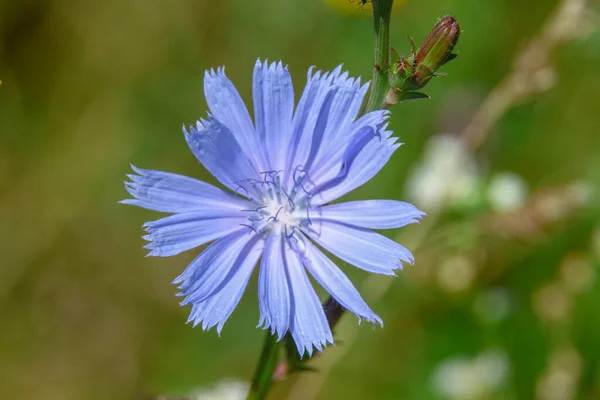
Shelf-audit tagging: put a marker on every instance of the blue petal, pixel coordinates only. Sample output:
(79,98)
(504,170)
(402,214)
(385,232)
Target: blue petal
(217,308)
(216,148)
(214,266)
(228,107)
(373,214)
(369,126)
(309,326)
(306,115)
(166,192)
(333,119)
(329,167)
(353,148)
(359,164)
(360,247)
(273,96)
(180,232)
(340,117)
(273,290)
(328,275)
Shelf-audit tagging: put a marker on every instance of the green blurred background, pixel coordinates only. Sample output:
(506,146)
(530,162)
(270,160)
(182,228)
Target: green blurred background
(502,303)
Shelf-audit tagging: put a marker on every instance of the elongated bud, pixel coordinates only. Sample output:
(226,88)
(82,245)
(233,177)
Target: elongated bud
(436,50)
(410,74)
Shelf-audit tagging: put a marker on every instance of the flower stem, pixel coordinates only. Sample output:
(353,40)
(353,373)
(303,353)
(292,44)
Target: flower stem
(264,371)
(380,85)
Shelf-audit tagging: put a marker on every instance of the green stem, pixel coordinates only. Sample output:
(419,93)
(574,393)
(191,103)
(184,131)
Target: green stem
(264,371)
(380,85)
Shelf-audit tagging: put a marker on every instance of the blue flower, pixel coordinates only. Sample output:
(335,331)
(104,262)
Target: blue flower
(281,172)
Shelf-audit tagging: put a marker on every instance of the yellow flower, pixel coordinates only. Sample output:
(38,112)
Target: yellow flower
(356,7)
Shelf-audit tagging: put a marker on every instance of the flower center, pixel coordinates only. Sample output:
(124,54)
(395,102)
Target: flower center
(277,209)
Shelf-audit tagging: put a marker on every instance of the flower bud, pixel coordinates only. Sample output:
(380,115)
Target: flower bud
(411,73)
(436,50)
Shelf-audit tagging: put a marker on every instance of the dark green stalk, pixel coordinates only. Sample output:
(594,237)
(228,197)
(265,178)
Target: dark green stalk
(264,371)
(380,85)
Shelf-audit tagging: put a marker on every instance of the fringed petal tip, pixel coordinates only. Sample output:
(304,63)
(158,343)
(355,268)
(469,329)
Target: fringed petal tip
(138,171)
(273,66)
(205,325)
(200,126)
(264,323)
(131,202)
(417,220)
(373,319)
(213,73)
(339,78)
(272,330)
(309,348)
(190,130)
(409,260)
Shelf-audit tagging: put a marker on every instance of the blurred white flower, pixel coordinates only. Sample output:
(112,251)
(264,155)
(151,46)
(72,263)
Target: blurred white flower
(227,389)
(507,192)
(492,367)
(456,379)
(464,378)
(447,173)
